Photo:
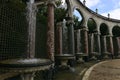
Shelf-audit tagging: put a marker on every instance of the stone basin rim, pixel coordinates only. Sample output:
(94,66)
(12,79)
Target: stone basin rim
(21,63)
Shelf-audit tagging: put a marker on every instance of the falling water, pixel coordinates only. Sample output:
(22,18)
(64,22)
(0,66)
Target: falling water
(31,18)
(65,38)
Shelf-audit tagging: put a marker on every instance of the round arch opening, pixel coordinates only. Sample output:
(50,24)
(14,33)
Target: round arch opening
(116,31)
(78,18)
(104,29)
(91,25)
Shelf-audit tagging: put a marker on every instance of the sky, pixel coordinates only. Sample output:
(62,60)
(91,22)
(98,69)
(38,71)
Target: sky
(104,7)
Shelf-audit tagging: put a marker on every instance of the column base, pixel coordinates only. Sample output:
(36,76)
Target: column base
(107,55)
(80,57)
(80,60)
(64,58)
(118,56)
(27,76)
(94,56)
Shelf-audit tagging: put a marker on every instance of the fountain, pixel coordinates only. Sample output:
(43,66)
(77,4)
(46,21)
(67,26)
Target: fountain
(63,55)
(27,67)
(79,54)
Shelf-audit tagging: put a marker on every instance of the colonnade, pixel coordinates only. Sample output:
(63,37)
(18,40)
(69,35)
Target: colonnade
(89,43)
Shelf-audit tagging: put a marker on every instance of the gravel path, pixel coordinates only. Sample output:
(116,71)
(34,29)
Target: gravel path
(106,71)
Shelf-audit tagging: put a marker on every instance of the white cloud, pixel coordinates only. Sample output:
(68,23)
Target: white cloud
(91,3)
(117,4)
(113,13)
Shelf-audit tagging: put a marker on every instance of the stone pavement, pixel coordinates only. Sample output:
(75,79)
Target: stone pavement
(106,70)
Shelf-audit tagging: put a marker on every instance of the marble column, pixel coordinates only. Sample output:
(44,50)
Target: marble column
(92,43)
(110,47)
(84,41)
(77,36)
(97,35)
(31,19)
(59,38)
(50,29)
(93,46)
(104,44)
(70,36)
(118,44)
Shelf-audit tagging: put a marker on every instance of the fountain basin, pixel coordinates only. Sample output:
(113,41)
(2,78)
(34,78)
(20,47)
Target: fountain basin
(95,54)
(64,56)
(25,65)
(80,54)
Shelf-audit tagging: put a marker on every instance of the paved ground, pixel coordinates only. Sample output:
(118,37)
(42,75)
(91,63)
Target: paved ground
(73,74)
(106,71)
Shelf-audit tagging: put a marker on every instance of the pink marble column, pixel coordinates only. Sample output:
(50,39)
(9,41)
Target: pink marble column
(92,42)
(118,44)
(84,40)
(110,47)
(97,35)
(50,30)
(59,38)
(77,41)
(104,44)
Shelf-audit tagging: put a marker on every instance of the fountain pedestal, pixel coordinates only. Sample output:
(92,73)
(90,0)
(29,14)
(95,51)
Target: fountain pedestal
(64,59)
(94,55)
(80,57)
(106,55)
(25,67)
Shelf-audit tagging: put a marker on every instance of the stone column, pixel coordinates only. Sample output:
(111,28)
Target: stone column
(110,47)
(105,51)
(93,46)
(84,41)
(97,35)
(118,44)
(77,36)
(59,38)
(92,42)
(31,19)
(50,30)
(104,44)
(70,36)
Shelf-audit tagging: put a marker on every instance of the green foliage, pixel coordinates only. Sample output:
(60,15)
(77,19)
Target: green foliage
(59,12)
(91,25)
(76,22)
(17,4)
(42,14)
(104,29)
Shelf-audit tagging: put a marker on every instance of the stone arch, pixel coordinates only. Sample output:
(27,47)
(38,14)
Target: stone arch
(116,31)
(104,29)
(92,26)
(78,18)
(116,39)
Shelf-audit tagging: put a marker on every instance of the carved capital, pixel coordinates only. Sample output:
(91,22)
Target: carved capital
(109,35)
(70,21)
(51,2)
(84,28)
